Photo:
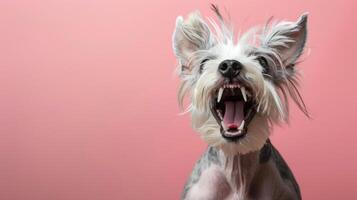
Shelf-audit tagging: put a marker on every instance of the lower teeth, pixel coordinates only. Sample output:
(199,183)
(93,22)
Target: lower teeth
(220,114)
(241,126)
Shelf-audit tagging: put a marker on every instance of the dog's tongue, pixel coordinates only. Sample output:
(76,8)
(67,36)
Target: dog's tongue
(233,115)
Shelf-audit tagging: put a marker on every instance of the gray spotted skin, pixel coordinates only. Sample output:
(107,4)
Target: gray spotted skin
(208,158)
(261,175)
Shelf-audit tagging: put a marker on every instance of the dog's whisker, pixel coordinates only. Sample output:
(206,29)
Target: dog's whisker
(267,75)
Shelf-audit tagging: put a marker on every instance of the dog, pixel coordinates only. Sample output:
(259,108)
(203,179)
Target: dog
(237,90)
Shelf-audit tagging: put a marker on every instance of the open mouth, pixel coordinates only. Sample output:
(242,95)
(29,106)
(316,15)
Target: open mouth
(233,109)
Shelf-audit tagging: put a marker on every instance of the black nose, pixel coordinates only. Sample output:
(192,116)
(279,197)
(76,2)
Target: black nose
(229,68)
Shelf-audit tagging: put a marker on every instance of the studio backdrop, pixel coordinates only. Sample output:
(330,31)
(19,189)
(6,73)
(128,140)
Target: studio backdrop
(88,107)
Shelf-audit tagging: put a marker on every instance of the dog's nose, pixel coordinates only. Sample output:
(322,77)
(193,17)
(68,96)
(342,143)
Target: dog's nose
(230,68)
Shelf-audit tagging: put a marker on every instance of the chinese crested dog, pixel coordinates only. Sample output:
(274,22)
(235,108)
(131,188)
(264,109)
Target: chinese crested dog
(238,89)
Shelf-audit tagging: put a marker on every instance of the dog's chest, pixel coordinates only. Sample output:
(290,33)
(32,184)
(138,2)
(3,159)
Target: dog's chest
(219,183)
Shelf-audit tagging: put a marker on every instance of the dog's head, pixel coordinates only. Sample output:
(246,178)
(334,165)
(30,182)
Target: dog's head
(238,89)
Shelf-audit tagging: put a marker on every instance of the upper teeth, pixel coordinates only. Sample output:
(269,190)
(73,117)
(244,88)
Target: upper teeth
(221,89)
(243,93)
(236,85)
(220,92)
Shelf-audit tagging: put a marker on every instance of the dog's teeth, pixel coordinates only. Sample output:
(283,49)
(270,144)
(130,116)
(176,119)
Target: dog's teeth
(243,93)
(219,114)
(223,125)
(241,126)
(220,92)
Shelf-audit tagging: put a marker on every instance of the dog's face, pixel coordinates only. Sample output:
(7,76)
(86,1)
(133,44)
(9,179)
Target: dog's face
(238,89)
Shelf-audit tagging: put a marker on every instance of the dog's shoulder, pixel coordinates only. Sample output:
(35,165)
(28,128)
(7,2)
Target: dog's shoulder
(270,152)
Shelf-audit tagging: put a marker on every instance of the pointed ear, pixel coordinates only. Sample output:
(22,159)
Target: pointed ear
(287,39)
(189,36)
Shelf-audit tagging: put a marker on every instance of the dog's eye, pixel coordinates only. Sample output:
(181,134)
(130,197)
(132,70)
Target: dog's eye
(264,63)
(202,64)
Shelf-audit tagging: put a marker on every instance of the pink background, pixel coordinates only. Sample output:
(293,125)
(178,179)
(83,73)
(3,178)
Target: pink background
(88,99)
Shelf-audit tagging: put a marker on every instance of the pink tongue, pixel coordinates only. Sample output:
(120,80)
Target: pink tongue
(233,115)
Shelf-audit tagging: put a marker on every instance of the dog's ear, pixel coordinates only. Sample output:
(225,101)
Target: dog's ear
(283,43)
(286,39)
(189,36)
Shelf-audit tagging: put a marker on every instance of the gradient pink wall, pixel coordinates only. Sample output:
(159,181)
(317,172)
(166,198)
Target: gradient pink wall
(88,106)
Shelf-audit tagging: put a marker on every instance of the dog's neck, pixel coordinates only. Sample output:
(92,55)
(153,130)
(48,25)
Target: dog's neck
(240,169)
